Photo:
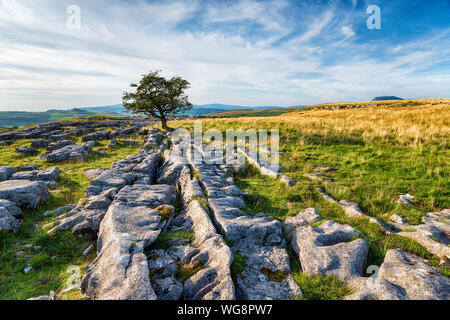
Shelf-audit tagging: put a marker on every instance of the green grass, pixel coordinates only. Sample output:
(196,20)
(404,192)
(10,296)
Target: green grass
(321,287)
(163,240)
(238,266)
(60,250)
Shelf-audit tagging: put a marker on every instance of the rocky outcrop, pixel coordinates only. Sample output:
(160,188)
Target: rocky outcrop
(326,250)
(48,176)
(213,281)
(433,233)
(303,218)
(402,276)
(70,153)
(120,270)
(420,280)
(24,193)
(10,216)
(258,239)
(6,172)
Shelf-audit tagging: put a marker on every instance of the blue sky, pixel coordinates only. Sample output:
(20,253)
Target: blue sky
(242,52)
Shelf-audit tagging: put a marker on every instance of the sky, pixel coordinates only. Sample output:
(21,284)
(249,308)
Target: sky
(242,52)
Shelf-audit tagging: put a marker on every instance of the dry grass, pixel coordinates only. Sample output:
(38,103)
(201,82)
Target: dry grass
(403,123)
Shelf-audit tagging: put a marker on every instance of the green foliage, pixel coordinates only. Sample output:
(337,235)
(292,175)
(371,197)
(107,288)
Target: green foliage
(158,97)
(275,276)
(321,287)
(163,240)
(238,266)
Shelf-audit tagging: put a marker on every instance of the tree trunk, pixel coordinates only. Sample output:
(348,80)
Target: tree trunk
(164,123)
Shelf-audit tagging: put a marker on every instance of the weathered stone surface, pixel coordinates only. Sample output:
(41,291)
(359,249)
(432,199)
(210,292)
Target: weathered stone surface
(397,219)
(93,173)
(317,176)
(168,289)
(433,233)
(26,151)
(213,281)
(39,143)
(405,199)
(59,144)
(303,218)
(99,135)
(48,176)
(24,193)
(287,180)
(160,264)
(110,179)
(59,210)
(70,153)
(351,209)
(85,219)
(10,216)
(171,168)
(6,172)
(150,196)
(324,250)
(190,188)
(374,288)
(325,195)
(200,221)
(420,280)
(120,270)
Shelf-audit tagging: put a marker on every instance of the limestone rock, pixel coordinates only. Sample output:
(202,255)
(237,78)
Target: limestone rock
(93,173)
(6,172)
(168,289)
(303,218)
(324,250)
(10,216)
(420,280)
(405,199)
(24,193)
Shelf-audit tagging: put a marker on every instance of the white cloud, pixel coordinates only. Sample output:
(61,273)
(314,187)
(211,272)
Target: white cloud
(44,65)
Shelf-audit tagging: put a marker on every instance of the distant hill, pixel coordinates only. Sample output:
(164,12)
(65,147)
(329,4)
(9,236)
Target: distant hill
(384,98)
(253,113)
(195,111)
(22,118)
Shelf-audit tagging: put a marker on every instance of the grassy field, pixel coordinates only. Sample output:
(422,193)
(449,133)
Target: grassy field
(11,119)
(251,113)
(49,255)
(379,152)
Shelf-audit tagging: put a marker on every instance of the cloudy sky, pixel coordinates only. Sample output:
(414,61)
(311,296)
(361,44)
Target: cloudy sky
(243,52)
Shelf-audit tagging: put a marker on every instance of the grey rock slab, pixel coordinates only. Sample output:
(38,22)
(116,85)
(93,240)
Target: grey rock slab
(24,193)
(405,199)
(93,173)
(303,218)
(324,250)
(10,216)
(6,172)
(420,280)
(168,289)
(160,264)
(213,281)
(120,270)
(151,196)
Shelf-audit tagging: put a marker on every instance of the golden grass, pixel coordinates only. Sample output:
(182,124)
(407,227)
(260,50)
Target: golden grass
(405,125)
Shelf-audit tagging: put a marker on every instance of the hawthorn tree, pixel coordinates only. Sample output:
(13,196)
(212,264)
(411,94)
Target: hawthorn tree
(158,97)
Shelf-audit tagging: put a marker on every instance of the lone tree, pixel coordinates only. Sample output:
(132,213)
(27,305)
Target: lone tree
(158,97)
